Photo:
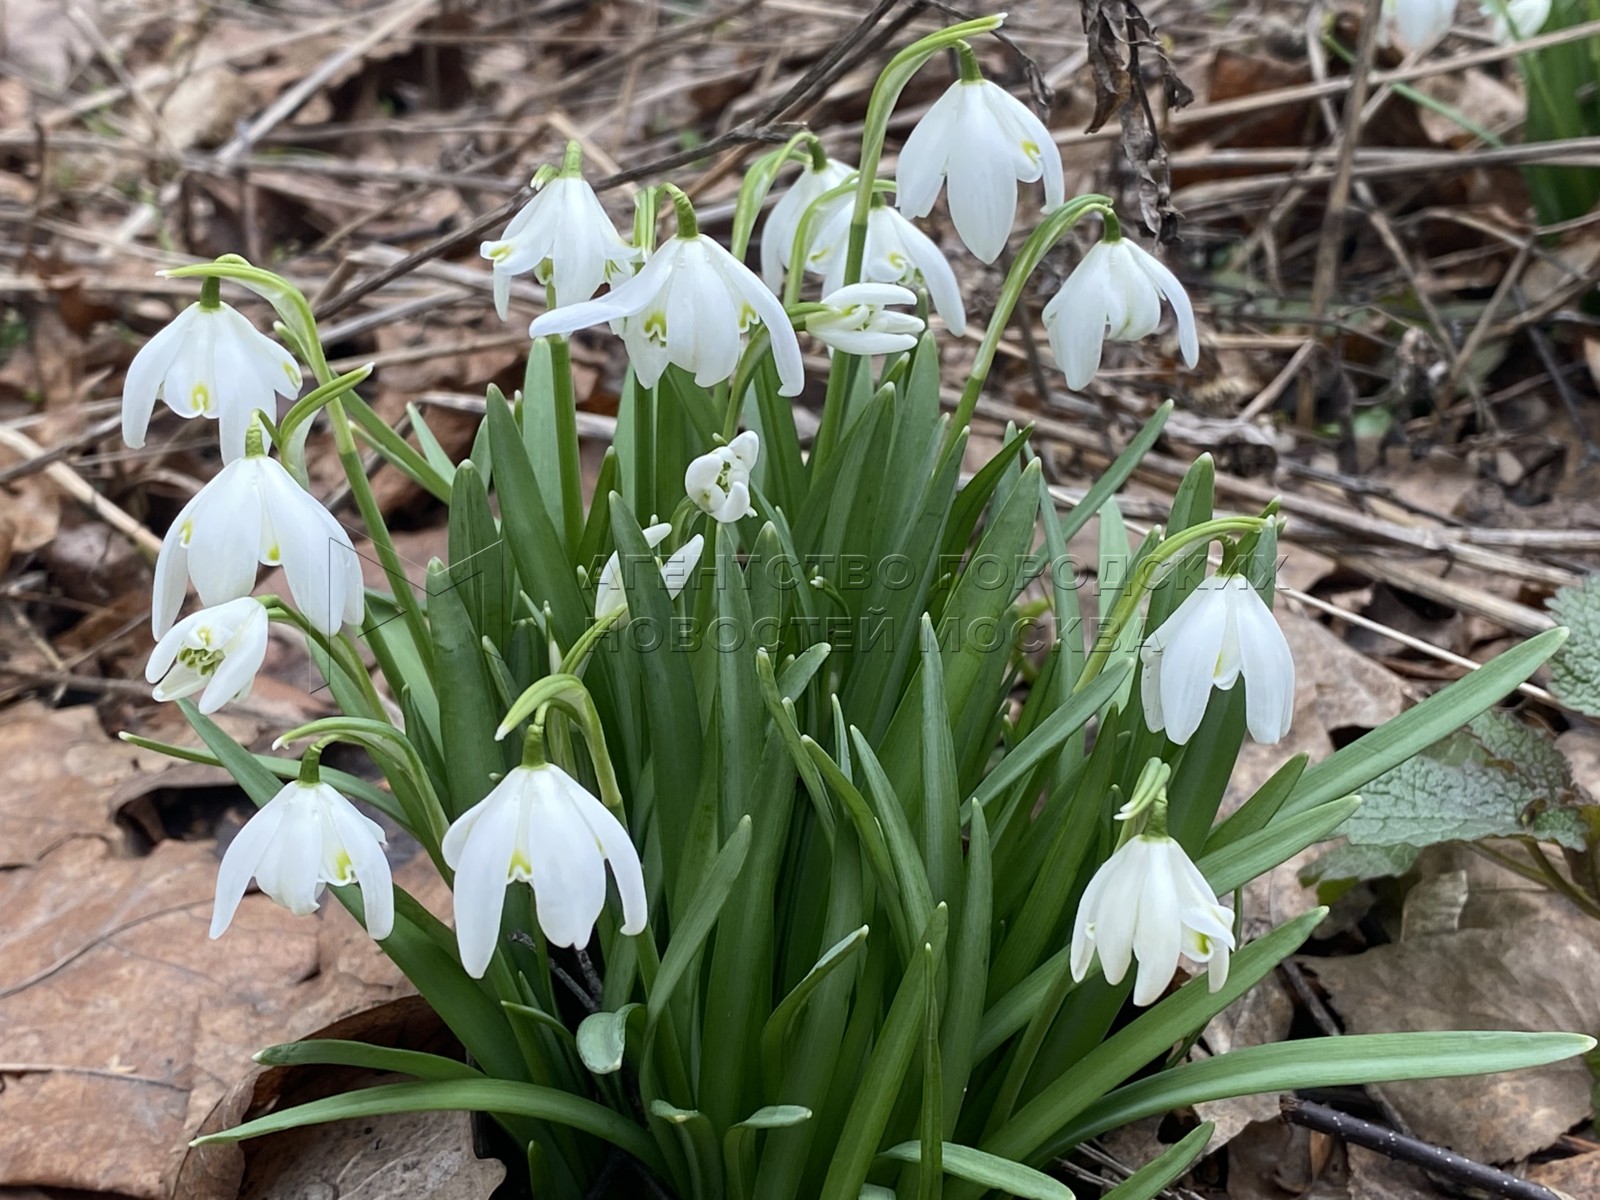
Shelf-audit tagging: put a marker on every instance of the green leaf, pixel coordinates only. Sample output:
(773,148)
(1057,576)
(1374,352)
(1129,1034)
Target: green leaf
(739,1143)
(691,931)
(666,677)
(603,1038)
(464,1095)
(1349,770)
(1353,1059)
(1495,778)
(776,1030)
(898,1036)
(1116,474)
(1254,814)
(1154,1177)
(332,1052)
(1238,863)
(969,965)
(467,722)
(1001,1174)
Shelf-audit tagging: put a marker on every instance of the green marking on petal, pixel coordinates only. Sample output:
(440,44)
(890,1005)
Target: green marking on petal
(655,327)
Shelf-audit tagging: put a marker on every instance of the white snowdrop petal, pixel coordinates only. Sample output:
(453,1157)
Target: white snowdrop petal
(1158,938)
(925,155)
(1076,321)
(983,200)
(240,859)
(770,312)
(370,863)
(569,877)
(1167,283)
(618,849)
(1188,664)
(483,867)
(937,276)
(147,372)
(1268,667)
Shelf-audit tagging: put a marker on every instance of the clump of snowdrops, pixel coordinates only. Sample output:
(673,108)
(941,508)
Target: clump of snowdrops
(801,842)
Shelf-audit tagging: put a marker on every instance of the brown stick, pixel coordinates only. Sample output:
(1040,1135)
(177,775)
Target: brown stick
(1407,1149)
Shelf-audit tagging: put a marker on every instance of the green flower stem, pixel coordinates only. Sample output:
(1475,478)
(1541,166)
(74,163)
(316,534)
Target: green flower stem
(1144,577)
(572,159)
(683,210)
(840,380)
(876,127)
(567,449)
(1050,231)
(971,72)
(575,658)
(411,611)
(211,293)
(430,824)
(339,652)
(644,449)
(566,692)
(805,233)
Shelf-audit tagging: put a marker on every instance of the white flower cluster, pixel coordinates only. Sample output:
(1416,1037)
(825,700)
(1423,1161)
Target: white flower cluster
(691,303)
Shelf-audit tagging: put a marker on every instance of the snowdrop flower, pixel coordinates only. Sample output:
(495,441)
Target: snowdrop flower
(305,837)
(253,512)
(1222,632)
(1149,901)
(210,362)
(1515,20)
(896,252)
(612,597)
(216,652)
(777,238)
(564,237)
(1416,24)
(540,826)
(981,141)
(719,482)
(857,319)
(1115,293)
(689,304)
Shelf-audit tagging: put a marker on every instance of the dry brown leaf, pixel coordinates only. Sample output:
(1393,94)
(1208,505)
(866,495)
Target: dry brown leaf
(1578,1176)
(394,1157)
(1260,1017)
(60,771)
(124,1025)
(1539,974)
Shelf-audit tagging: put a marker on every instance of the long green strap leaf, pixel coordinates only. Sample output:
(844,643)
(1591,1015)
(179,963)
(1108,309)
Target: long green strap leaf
(1363,760)
(462,1095)
(1001,1174)
(334,1052)
(1152,1179)
(1319,1062)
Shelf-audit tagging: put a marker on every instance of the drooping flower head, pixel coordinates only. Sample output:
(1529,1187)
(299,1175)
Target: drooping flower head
(1515,20)
(1416,24)
(564,237)
(690,305)
(1221,633)
(777,236)
(896,252)
(209,362)
(216,652)
(253,512)
(539,826)
(857,319)
(1115,293)
(979,141)
(719,481)
(1148,901)
(304,838)
(611,595)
